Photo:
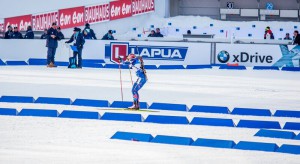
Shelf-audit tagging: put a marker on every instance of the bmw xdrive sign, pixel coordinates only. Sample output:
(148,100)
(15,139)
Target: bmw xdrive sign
(258,55)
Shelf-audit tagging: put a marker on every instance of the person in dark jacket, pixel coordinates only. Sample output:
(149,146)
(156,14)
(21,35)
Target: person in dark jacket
(152,34)
(78,41)
(60,34)
(287,37)
(29,33)
(296,38)
(16,34)
(157,33)
(8,33)
(108,36)
(90,32)
(44,35)
(86,35)
(51,43)
(189,32)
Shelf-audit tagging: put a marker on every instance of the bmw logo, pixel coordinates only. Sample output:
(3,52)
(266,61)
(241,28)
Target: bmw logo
(223,56)
(269,6)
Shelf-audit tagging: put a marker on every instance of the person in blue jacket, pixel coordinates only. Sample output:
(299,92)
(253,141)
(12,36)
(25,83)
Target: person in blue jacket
(132,60)
(78,41)
(52,43)
(29,33)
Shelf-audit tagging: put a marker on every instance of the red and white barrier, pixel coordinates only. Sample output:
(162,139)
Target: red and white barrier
(71,17)
(120,9)
(20,21)
(142,6)
(44,21)
(97,13)
(78,16)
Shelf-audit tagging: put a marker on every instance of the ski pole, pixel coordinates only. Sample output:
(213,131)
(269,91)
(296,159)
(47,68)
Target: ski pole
(138,53)
(121,78)
(130,75)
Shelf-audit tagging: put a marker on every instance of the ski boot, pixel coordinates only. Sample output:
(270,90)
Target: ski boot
(135,106)
(51,65)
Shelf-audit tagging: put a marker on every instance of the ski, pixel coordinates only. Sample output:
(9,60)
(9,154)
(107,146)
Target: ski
(133,110)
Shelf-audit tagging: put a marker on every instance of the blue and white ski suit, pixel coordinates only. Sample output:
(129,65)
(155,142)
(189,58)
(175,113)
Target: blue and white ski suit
(140,82)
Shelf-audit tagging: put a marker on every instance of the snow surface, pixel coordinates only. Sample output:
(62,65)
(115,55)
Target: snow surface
(36,140)
(53,140)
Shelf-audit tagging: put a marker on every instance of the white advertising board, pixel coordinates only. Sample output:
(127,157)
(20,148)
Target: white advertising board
(165,53)
(257,54)
(168,53)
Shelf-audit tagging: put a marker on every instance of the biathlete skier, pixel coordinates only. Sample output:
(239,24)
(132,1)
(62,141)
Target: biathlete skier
(132,61)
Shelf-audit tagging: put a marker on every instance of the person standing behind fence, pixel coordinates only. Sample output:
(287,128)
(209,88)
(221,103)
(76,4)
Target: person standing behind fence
(44,35)
(268,33)
(51,43)
(296,38)
(152,34)
(29,33)
(78,41)
(90,32)
(189,32)
(8,33)
(108,36)
(16,34)
(86,35)
(287,37)
(157,33)
(60,34)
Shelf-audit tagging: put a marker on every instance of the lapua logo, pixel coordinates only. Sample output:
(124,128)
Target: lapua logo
(116,50)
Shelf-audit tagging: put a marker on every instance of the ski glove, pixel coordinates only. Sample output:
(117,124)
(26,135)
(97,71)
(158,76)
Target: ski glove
(130,66)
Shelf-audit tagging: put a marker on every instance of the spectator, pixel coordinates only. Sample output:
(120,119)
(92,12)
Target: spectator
(152,34)
(189,32)
(8,33)
(29,33)
(79,41)
(287,37)
(51,43)
(86,35)
(44,35)
(16,34)
(157,33)
(60,34)
(268,33)
(108,36)
(296,38)
(90,32)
